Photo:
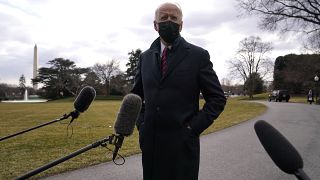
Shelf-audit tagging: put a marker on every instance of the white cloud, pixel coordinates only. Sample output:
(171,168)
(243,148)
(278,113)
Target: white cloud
(94,31)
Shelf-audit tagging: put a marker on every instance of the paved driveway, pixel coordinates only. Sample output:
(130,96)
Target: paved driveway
(235,152)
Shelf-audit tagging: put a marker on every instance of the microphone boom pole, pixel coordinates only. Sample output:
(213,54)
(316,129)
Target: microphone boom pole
(105,141)
(124,126)
(81,104)
(74,115)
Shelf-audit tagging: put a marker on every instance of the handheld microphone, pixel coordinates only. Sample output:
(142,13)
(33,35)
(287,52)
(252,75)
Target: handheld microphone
(281,151)
(126,119)
(81,104)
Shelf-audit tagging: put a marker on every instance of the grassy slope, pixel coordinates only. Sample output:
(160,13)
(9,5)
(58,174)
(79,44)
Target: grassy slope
(33,149)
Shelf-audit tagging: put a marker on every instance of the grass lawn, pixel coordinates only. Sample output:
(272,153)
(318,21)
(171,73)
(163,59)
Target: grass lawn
(33,149)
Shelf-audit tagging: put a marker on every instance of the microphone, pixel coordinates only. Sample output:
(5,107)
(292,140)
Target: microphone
(83,101)
(124,126)
(126,119)
(281,151)
(81,104)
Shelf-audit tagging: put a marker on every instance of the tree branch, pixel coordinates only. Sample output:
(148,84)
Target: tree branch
(313,6)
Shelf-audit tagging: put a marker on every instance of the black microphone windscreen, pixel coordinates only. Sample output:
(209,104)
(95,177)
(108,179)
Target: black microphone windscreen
(84,99)
(128,115)
(281,151)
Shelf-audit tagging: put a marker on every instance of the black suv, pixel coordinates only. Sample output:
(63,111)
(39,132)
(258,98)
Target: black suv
(279,95)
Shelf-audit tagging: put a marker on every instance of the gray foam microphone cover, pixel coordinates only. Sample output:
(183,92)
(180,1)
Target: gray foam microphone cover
(128,115)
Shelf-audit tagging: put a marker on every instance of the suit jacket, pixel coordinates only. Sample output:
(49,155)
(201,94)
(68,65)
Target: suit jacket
(170,150)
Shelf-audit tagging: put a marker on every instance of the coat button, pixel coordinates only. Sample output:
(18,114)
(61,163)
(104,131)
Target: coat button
(158,108)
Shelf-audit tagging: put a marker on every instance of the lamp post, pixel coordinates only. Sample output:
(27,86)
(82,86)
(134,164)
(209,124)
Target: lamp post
(316,80)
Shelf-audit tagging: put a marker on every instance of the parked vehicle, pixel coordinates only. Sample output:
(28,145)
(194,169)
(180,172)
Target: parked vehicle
(227,94)
(279,95)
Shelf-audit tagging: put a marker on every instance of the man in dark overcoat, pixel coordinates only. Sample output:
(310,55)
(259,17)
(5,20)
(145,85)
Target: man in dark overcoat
(170,76)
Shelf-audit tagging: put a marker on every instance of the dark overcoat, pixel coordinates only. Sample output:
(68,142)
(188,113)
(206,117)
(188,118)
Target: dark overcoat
(170,150)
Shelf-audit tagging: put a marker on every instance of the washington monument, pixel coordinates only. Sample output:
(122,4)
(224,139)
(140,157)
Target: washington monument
(35,65)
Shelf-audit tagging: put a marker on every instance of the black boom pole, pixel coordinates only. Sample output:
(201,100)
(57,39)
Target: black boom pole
(73,114)
(58,161)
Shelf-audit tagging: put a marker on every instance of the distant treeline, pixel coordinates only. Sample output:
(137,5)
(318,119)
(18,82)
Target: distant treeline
(296,72)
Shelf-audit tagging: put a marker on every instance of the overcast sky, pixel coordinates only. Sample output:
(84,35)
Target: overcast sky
(92,31)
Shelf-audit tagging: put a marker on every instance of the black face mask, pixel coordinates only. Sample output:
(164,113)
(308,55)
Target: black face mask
(169,31)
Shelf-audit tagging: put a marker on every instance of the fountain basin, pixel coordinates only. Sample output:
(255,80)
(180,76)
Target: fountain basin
(26,99)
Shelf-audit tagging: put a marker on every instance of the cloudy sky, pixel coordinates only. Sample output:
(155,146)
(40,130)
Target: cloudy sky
(95,31)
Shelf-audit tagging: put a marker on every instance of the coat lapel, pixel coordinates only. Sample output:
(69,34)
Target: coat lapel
(156,64)
(155,58)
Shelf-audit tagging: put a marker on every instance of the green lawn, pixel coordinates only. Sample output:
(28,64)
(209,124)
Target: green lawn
(33,149)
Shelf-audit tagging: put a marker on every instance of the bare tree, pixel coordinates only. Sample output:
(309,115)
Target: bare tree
(251,58)
(287,15)
(313,43)
(226,82)
(106,71)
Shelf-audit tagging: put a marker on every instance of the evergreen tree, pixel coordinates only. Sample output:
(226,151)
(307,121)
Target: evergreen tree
(61,79)
(22,84)
(254,84)
(132,65)
(296,72)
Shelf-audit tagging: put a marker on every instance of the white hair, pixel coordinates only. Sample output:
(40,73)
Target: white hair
(156,15)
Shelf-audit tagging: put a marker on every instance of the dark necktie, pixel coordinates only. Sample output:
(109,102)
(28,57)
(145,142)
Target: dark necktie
(164,65)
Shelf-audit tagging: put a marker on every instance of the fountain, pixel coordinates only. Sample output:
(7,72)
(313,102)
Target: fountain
(26,99)
(25,95)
